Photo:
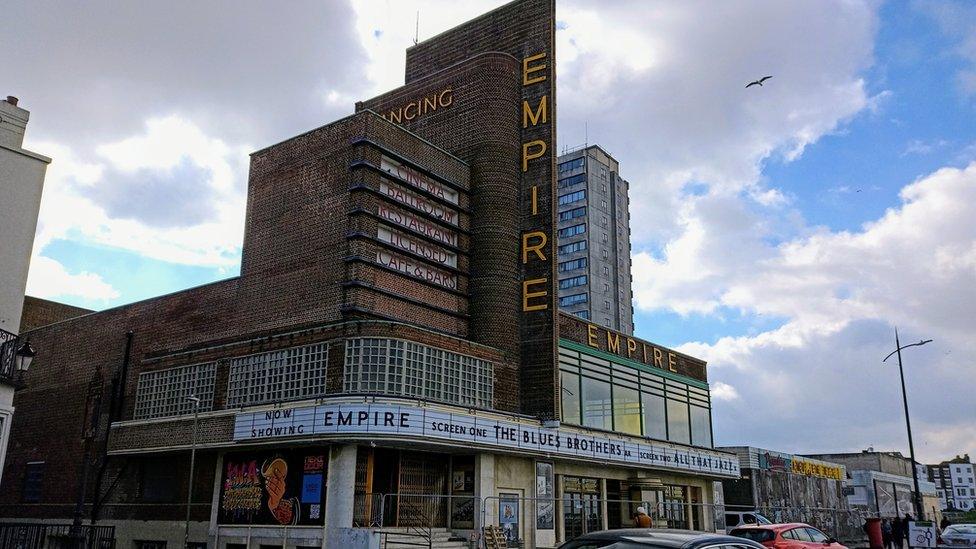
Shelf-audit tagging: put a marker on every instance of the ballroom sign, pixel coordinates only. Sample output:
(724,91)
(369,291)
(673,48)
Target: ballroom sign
(436,425)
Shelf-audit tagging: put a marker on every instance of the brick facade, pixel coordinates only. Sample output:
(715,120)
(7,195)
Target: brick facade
(41,312)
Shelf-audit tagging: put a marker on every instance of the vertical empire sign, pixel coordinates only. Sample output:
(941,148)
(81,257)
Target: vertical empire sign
(538,221)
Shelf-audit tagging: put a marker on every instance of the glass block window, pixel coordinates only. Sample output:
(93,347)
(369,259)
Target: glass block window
(166,392)
(397,367)
(278,376)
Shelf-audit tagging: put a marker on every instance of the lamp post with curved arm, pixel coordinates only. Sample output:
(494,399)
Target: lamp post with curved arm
(908,422)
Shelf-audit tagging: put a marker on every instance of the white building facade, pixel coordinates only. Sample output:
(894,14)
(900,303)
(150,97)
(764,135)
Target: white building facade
(955,480)
(21,181)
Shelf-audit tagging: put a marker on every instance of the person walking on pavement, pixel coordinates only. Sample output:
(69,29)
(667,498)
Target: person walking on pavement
(642,520)
(945,523)
(897,532)
(886,534)
(905,524)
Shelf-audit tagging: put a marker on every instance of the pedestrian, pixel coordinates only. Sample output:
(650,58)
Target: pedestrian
(642,520)
(897,532)
(886,533)
(945,523)
(905,524)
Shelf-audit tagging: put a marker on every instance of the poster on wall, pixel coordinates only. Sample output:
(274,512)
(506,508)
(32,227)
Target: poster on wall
(903,500)
(273,488)
(544,492)
(884,493)
(508,517)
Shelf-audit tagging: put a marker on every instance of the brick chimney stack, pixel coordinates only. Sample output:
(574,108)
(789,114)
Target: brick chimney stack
(13,123)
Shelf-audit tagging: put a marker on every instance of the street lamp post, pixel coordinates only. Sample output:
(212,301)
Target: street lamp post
(193,455)
(908,422)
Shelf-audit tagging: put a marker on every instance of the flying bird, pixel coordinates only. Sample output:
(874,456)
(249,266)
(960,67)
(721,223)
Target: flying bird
(758,82)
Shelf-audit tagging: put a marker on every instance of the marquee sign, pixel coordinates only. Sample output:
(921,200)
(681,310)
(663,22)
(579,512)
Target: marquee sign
(785,463)
(467,429)
(816,469)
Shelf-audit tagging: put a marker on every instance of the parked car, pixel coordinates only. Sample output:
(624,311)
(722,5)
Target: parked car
(958,535)
(734,519)
(793,535)
(662,538)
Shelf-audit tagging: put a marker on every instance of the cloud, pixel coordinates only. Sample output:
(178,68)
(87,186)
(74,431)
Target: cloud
(50,280)
(246,71)
(386,29)
(670,100)
(128,195)
(958,21)
(917,146)
(149,112)
(723,391)
(841,292)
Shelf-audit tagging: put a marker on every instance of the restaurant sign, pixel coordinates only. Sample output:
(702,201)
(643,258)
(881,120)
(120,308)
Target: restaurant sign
(414,422)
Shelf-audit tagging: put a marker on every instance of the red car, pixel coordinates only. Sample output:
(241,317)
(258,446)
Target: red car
(794,535)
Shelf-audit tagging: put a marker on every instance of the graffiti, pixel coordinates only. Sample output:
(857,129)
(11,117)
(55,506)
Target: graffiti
(273,488)
(241,489)
(285,511)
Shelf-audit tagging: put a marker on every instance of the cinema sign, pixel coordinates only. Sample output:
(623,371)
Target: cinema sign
(410,421)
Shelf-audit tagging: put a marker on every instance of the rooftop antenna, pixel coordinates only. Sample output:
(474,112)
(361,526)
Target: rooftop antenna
(416,33)
(586,134)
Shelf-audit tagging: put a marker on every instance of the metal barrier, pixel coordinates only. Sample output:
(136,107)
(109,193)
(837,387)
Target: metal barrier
(573,515)
(417,516)
(34,535)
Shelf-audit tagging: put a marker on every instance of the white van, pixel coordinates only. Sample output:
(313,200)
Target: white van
(735,519)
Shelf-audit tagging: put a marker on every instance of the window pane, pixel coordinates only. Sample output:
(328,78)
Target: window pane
(390,366)
(570,389)
(816,535)
(701,433)
(626,410)
(597,408)
(654,425)
(801,534)
(678,430)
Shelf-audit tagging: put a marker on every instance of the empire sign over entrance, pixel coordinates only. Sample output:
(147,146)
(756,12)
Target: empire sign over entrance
(409,421)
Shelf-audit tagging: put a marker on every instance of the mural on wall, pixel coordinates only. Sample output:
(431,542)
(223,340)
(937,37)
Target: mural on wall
(884,493)
(273,488)
(544,492)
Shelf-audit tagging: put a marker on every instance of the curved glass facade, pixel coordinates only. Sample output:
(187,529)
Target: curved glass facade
(616,396)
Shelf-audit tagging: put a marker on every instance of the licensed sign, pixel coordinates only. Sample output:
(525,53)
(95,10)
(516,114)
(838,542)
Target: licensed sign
(467,429)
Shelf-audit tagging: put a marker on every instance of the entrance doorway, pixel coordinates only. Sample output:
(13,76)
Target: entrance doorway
(400,488)
(582,511)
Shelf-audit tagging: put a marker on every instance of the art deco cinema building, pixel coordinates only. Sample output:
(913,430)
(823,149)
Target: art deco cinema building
(391,353)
